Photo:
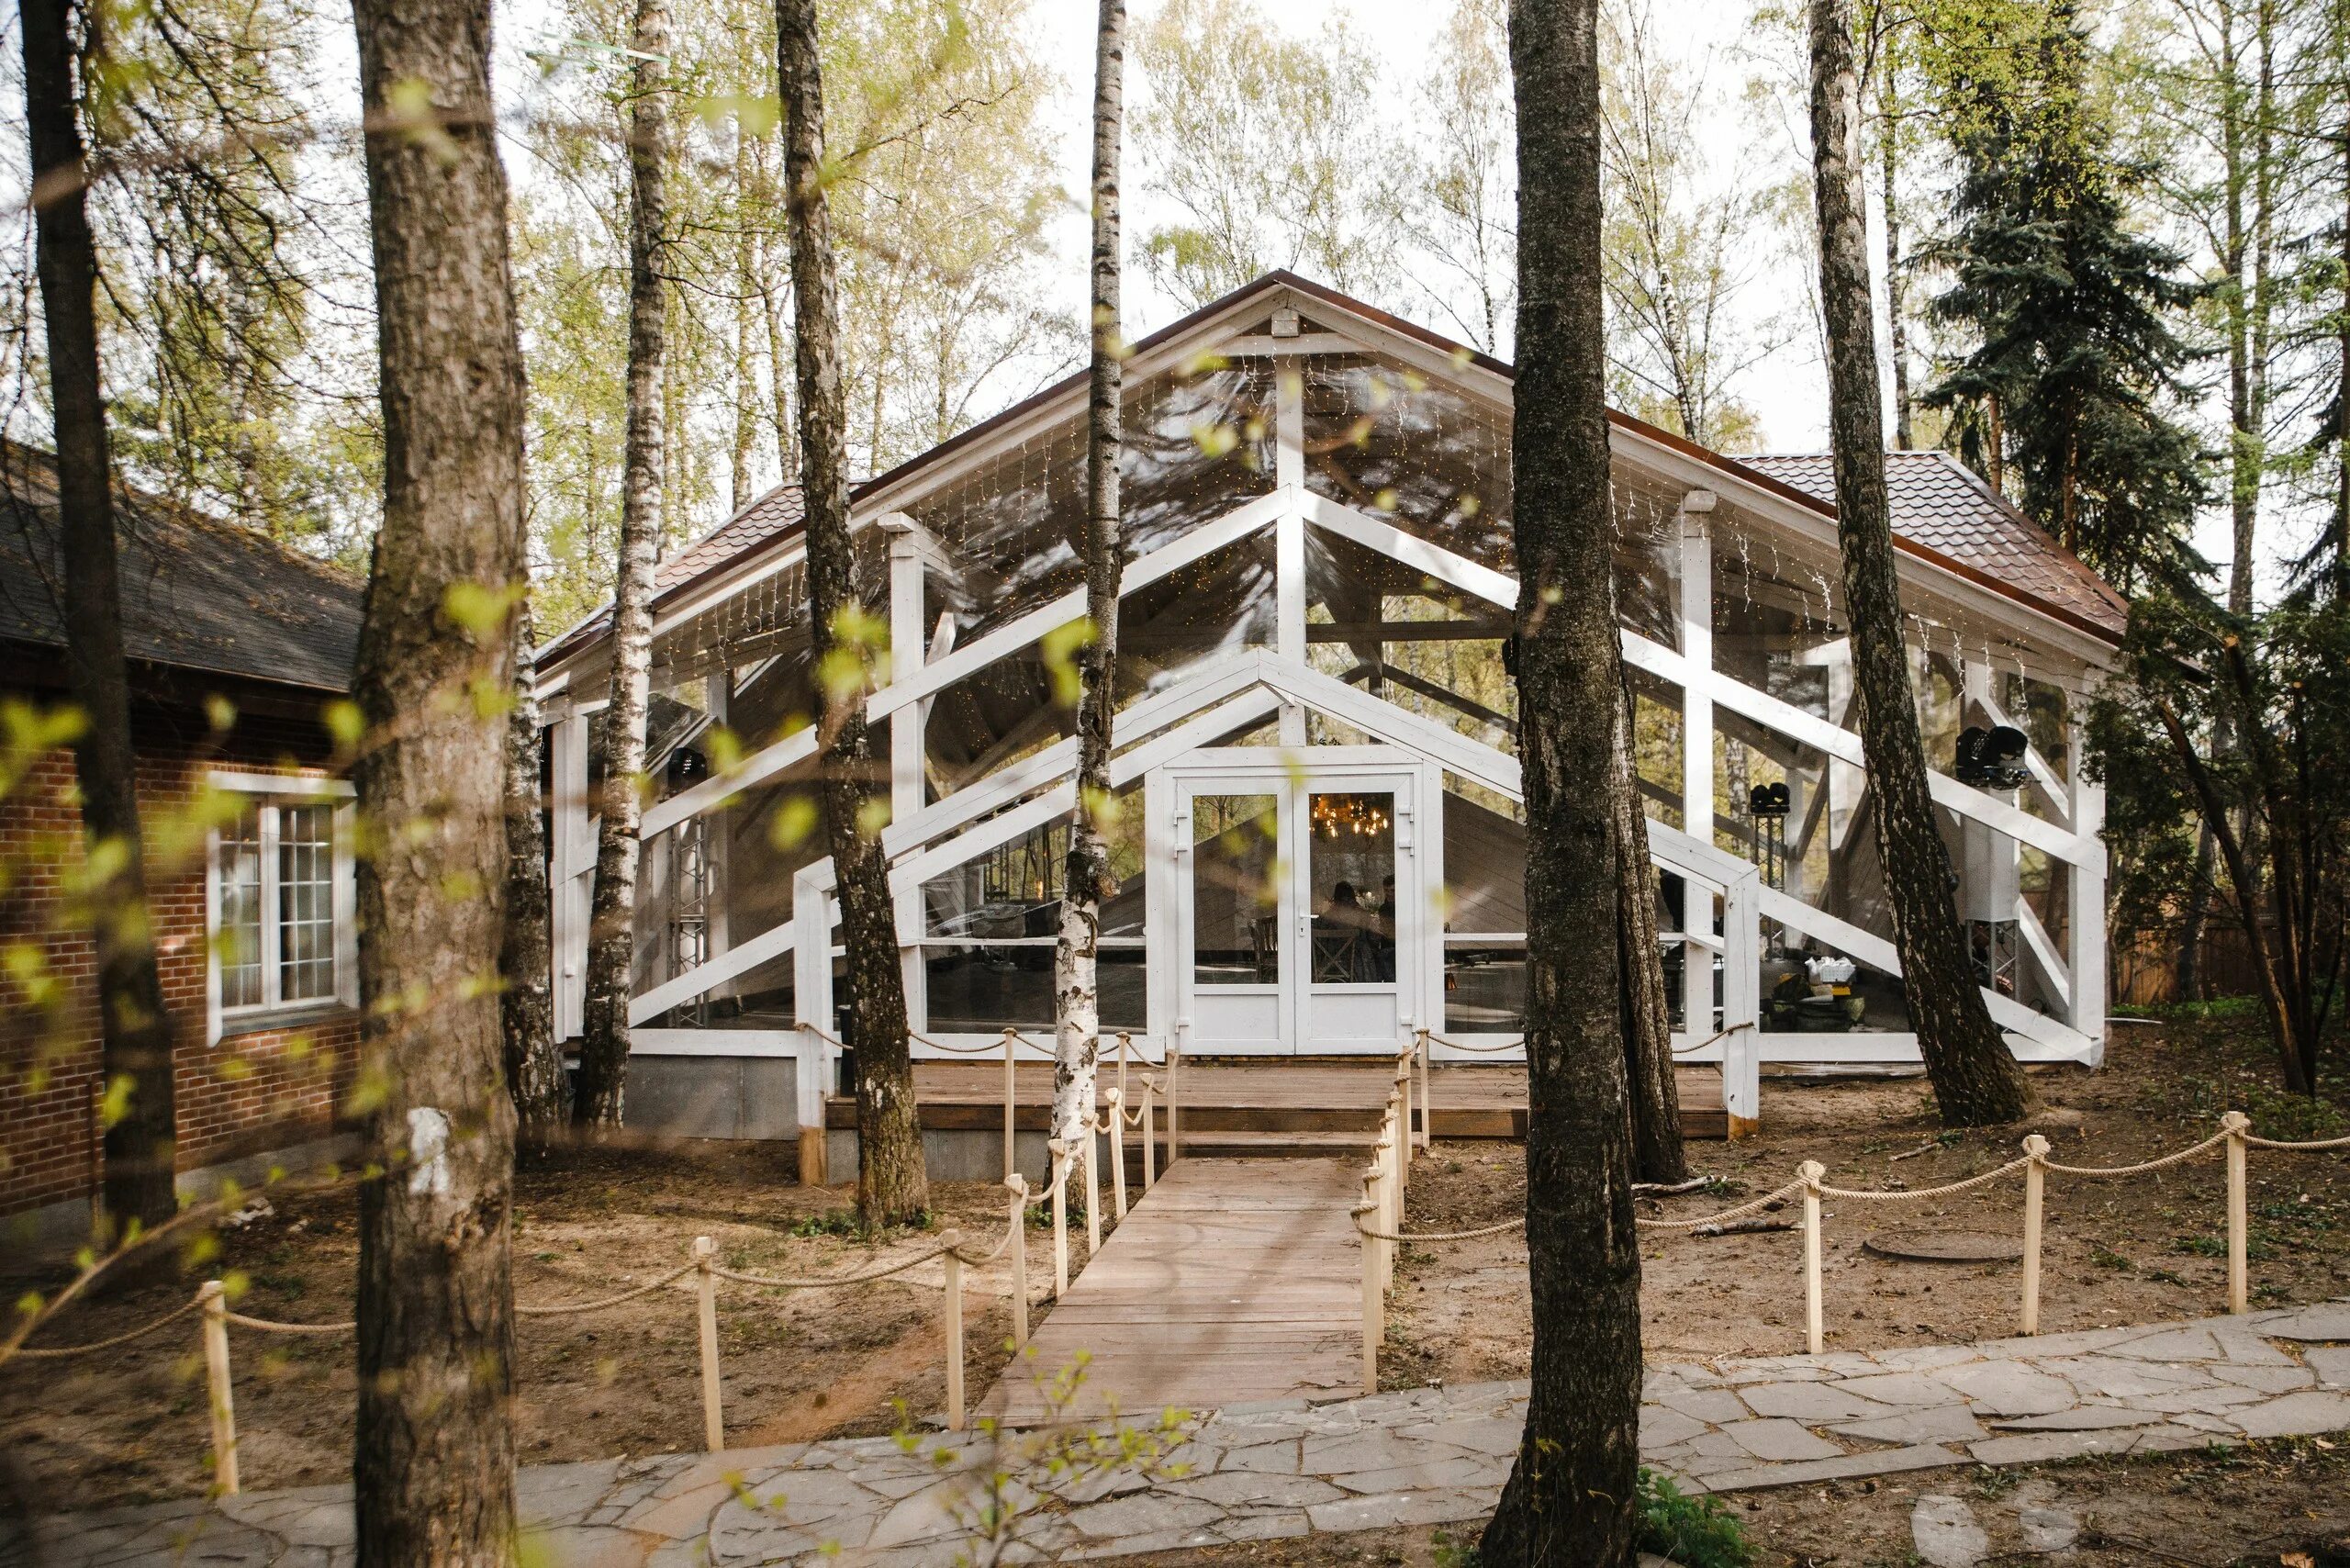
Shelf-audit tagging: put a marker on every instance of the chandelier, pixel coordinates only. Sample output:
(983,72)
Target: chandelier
(1336,817)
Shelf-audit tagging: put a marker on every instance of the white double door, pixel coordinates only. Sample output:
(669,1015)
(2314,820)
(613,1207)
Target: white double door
(1294,880)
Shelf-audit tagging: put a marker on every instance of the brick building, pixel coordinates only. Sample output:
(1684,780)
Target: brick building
(237,645)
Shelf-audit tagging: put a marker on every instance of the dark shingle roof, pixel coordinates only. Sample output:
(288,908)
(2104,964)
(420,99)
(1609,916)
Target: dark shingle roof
(1939,503)
(198,593)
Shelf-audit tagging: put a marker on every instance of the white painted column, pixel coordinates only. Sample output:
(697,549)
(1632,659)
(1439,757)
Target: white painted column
(571,841)
(812,1001)
(1742,1004)
(907,549)
(1289,532)
(719,832)
(1696,752)
(2088,914)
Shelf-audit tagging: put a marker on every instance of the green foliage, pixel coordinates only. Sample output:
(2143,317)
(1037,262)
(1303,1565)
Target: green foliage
(1697,1532)
(2073,368)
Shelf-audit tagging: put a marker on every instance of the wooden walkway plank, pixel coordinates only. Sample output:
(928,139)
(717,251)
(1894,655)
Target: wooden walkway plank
(1231,1281)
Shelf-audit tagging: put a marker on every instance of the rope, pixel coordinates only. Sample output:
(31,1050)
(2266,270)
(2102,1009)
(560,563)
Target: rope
(823,1034)
(2143,1166)
(59,1352)
(817,1284)
(1756,1207)
(1906,1195)
(1429,1236)
(266,1327)
(566,1309)
(992,1048)
(1716,1034)
(1459,1046)
(2297,1148)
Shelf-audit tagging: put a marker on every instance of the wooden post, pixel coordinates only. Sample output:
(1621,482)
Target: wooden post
(221,1393)
(1404,1112)
(1174,1104)
(1427,1096)
(1384,1156)
(951,1241)
(2035,1182)
(1118,1147)
(1011,1098)
(713,1419)
(1125,1048)
(2239,1270)
(1814,1318)
(1150,1141)
(1060,1217)
(1092,1188)
(1019,1249)
(1373,1294)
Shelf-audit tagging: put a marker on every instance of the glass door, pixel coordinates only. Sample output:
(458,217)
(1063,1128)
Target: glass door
(1361,929)
(1232,962)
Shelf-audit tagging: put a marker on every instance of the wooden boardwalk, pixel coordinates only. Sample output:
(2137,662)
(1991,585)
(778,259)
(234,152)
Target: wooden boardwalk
(1231,1281)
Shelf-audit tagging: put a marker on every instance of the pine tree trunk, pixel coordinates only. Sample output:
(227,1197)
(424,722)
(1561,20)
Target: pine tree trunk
(533,1062)
(134,1029)
(1976,1079)
(891,1185)
(433,1466)
(1655,1095)
(1569,1497)
(601,1100)
(1088,881)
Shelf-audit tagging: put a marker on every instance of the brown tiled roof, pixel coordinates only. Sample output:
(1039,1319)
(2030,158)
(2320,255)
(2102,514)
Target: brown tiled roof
(1939,503)
(198,593)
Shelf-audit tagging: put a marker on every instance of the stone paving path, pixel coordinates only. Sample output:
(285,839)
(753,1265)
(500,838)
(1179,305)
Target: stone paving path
(1418,1457)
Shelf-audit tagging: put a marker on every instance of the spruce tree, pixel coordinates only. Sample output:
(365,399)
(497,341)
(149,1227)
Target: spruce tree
(2076,363)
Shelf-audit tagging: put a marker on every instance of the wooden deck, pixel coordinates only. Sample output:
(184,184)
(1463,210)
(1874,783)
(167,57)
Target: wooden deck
(1231,1281)
(1252,1102)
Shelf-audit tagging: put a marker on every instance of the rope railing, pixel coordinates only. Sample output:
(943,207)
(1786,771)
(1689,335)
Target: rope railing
(211,1301)
(1378,1217)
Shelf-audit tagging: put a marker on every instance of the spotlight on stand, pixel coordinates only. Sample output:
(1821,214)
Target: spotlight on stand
(1992,758)
(1767,801)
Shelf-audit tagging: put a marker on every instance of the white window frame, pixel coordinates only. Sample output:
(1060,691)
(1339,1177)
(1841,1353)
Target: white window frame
(269,793)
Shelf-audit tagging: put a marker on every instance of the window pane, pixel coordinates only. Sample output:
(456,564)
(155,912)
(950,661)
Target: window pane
(239,877)
(306,902)
(1235,895)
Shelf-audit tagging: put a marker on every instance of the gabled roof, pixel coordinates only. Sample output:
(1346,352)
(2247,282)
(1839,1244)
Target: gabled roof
(198,593)
(1940,503)
(1942,513)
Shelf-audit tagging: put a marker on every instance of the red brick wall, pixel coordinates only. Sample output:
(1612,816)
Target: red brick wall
(247,1094)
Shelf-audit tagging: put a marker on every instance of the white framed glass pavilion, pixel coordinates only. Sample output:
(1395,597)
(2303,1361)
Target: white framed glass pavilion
(1315,738)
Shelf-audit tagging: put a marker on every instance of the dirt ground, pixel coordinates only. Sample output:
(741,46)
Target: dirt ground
(2134,1250)
(129,1426)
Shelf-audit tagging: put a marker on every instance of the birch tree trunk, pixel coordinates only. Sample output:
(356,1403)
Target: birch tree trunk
(891,1185)
(600,1098)
(1569,1497)
(533,1063)
(1088,881)
(1977,1081)
(433,1462)
(134,1030)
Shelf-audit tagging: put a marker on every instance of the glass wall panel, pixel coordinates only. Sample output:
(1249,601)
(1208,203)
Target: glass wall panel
(1425,456)
(1483,911)
(1656,744)
(1195,447)
(991,926)
(1377,624)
